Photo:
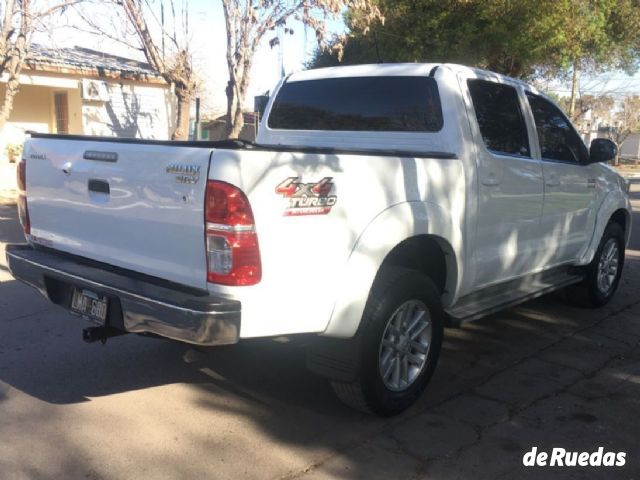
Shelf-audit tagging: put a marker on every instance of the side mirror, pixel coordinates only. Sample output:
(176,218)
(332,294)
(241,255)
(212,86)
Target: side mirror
(602,150)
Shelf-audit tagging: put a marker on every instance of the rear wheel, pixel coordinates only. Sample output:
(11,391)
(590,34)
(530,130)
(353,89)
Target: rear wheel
(401,339)
(602,275)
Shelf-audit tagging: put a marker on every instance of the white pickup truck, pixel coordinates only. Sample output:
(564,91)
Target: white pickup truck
(377,202)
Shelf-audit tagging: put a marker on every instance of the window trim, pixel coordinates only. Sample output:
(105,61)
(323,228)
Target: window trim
(522,108)
(400,133)
(572,127)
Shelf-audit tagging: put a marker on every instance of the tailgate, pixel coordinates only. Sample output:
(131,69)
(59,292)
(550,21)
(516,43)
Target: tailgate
(133,205)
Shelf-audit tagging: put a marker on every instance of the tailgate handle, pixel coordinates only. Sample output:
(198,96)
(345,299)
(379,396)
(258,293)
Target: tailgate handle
(99,186)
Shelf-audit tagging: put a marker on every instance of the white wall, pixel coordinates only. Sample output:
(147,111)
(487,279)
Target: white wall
(630,148)
(140,111)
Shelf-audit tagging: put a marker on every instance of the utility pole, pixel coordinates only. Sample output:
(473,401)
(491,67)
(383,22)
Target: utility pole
(281,50)
(196,127)
(574,91)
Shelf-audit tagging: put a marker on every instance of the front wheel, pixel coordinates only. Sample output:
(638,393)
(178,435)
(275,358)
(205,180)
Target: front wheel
(602,275)
(402,329)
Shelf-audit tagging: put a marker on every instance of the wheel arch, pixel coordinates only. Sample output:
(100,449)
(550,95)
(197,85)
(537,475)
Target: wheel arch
(426,253)
(615,207)
(622,217)
(394,237)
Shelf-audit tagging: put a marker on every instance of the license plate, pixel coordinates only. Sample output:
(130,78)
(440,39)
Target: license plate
(89,304)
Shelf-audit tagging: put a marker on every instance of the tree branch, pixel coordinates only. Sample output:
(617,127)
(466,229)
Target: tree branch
(55,8)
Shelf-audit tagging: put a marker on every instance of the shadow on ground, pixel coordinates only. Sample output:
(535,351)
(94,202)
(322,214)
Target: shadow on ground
(266,381)
(542,372)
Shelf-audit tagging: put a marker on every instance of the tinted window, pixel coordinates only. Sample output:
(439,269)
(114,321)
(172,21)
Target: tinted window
(499,117)
(558,140)
(390,104)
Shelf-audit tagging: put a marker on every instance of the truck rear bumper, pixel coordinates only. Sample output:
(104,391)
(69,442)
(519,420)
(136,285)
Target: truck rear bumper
(136,303)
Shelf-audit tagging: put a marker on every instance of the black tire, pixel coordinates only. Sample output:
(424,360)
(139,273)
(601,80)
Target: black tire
(587,293)
(393,288)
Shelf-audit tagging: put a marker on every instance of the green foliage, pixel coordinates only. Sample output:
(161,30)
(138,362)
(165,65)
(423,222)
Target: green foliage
(14,150)
(521,38)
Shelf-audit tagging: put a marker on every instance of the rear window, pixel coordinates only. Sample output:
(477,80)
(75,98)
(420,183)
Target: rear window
(381,104)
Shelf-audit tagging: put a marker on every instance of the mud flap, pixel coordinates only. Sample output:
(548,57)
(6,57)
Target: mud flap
(337,359)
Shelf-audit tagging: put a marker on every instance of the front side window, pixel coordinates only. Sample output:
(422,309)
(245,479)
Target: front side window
(500,118)
(381,104)
(558,140)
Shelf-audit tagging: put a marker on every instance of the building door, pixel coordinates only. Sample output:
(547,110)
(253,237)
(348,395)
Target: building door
(61,111)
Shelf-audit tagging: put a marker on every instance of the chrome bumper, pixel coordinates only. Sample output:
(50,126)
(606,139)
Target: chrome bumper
(137,303)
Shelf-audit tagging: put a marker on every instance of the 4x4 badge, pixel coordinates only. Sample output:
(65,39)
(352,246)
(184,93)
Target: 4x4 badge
(307,198)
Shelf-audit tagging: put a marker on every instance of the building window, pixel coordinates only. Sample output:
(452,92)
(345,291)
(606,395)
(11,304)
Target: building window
(61,110)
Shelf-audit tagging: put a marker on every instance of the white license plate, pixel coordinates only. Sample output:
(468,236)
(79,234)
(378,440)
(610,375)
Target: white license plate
(89,304)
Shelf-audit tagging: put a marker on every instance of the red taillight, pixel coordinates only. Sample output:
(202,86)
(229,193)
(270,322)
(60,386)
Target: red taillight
(21,173)
(23,210)
(233,253)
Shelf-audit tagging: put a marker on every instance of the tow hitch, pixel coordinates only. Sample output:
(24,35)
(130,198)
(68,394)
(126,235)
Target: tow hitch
(100,334)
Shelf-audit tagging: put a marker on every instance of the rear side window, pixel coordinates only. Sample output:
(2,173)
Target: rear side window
(558,140)
(500,119)
(381,104)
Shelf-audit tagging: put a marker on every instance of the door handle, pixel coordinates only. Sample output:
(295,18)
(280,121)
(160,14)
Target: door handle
(591,183)
(552,182)
(491,179)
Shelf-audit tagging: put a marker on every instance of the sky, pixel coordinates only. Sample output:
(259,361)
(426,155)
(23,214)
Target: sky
(615,83)
(208,46)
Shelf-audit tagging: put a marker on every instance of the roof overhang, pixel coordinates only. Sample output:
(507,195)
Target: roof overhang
(34,67)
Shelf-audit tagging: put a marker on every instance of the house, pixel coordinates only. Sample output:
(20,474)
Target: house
(83,91)
(591,127)
(630,149)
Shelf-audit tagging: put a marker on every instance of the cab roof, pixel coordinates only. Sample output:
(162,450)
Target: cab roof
(398,69)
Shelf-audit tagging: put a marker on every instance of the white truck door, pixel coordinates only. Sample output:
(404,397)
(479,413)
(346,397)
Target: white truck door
(510,191)
(568,217)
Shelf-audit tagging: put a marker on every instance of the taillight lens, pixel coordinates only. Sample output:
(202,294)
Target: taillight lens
(23,210)
(21,173)
(233,253)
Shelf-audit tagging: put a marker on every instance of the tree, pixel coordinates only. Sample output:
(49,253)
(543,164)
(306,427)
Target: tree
(500,35)
(19,20)
(627,119)
(177,70)
(598,35)
(525,38)
(601,106)
(249,21)
(150,35)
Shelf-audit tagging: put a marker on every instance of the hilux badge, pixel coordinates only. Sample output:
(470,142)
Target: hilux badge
(184,173)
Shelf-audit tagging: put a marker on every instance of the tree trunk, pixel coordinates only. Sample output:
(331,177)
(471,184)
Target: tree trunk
(236,94)
(237,121)
(182,118)
(574,91)
(13,66)
(235,117)
(13,85)
(231,86)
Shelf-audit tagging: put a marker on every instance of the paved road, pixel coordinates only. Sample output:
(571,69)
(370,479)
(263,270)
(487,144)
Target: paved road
(543,374)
